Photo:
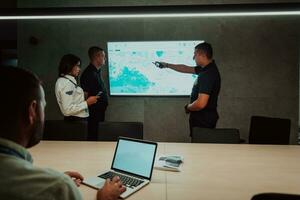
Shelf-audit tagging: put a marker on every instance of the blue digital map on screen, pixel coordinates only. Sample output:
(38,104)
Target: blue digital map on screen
(131,71)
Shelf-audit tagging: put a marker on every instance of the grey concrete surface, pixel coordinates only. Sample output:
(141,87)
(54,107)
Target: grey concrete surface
(258,58)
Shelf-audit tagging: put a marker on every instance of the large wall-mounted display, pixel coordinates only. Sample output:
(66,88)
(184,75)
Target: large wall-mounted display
(132,72)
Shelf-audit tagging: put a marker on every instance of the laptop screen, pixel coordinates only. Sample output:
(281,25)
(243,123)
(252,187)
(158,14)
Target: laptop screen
(135,156)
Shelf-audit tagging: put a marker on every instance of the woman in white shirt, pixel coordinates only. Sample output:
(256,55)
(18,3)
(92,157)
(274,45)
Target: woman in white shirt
(69,95)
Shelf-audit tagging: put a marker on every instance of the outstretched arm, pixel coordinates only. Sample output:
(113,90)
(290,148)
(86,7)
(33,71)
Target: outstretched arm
(181,68)
(177,67)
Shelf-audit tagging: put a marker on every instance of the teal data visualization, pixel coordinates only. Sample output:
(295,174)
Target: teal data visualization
(132,72)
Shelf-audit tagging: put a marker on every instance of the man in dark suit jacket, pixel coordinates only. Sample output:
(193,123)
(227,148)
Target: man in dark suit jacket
(92,84)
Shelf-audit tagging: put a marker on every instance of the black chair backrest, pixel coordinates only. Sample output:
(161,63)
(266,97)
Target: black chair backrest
(275,196)
(267,130)
(218,135)
(110,131)
(62,130)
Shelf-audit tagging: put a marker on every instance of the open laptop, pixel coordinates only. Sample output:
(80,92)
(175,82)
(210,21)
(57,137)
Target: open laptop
(133,162)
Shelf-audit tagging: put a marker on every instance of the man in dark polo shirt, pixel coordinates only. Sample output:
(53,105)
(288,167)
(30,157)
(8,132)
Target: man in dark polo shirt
(205,92)
(92,84)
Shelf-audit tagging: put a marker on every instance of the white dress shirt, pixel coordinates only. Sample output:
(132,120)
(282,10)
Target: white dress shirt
(70,97)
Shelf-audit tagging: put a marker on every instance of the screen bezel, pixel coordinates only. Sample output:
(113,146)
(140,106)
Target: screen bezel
(140,141)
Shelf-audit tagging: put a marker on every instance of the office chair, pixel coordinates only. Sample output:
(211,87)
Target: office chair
(275,196)
(219,135)
(110,131)
(267,130)
(62,130)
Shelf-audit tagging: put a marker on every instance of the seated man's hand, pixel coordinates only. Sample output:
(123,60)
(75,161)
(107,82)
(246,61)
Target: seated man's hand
(111,190)
(77,178)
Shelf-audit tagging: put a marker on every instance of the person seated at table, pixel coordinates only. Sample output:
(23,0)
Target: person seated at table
(21,127)
(69,95)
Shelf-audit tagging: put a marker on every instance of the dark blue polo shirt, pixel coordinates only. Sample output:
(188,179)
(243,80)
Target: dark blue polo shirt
(91,82)
(208,82)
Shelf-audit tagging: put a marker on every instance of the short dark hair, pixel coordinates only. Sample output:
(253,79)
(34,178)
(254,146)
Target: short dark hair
(19,88)
(205,48)
(66,64)
(93,51)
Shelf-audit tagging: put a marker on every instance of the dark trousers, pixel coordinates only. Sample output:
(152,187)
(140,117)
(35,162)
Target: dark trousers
(74,119)
(96,116)
(201,124)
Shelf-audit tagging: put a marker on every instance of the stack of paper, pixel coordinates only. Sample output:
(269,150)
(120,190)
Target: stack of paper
(169,162)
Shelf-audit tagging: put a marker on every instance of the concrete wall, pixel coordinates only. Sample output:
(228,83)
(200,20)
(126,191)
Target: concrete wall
(258,58)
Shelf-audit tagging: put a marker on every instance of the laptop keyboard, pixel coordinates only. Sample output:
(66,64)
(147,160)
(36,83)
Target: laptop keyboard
(126,180)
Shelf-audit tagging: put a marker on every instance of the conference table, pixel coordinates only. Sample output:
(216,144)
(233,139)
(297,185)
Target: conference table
(209,171)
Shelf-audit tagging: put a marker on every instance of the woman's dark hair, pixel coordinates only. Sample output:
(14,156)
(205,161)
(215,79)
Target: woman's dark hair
(66,64)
